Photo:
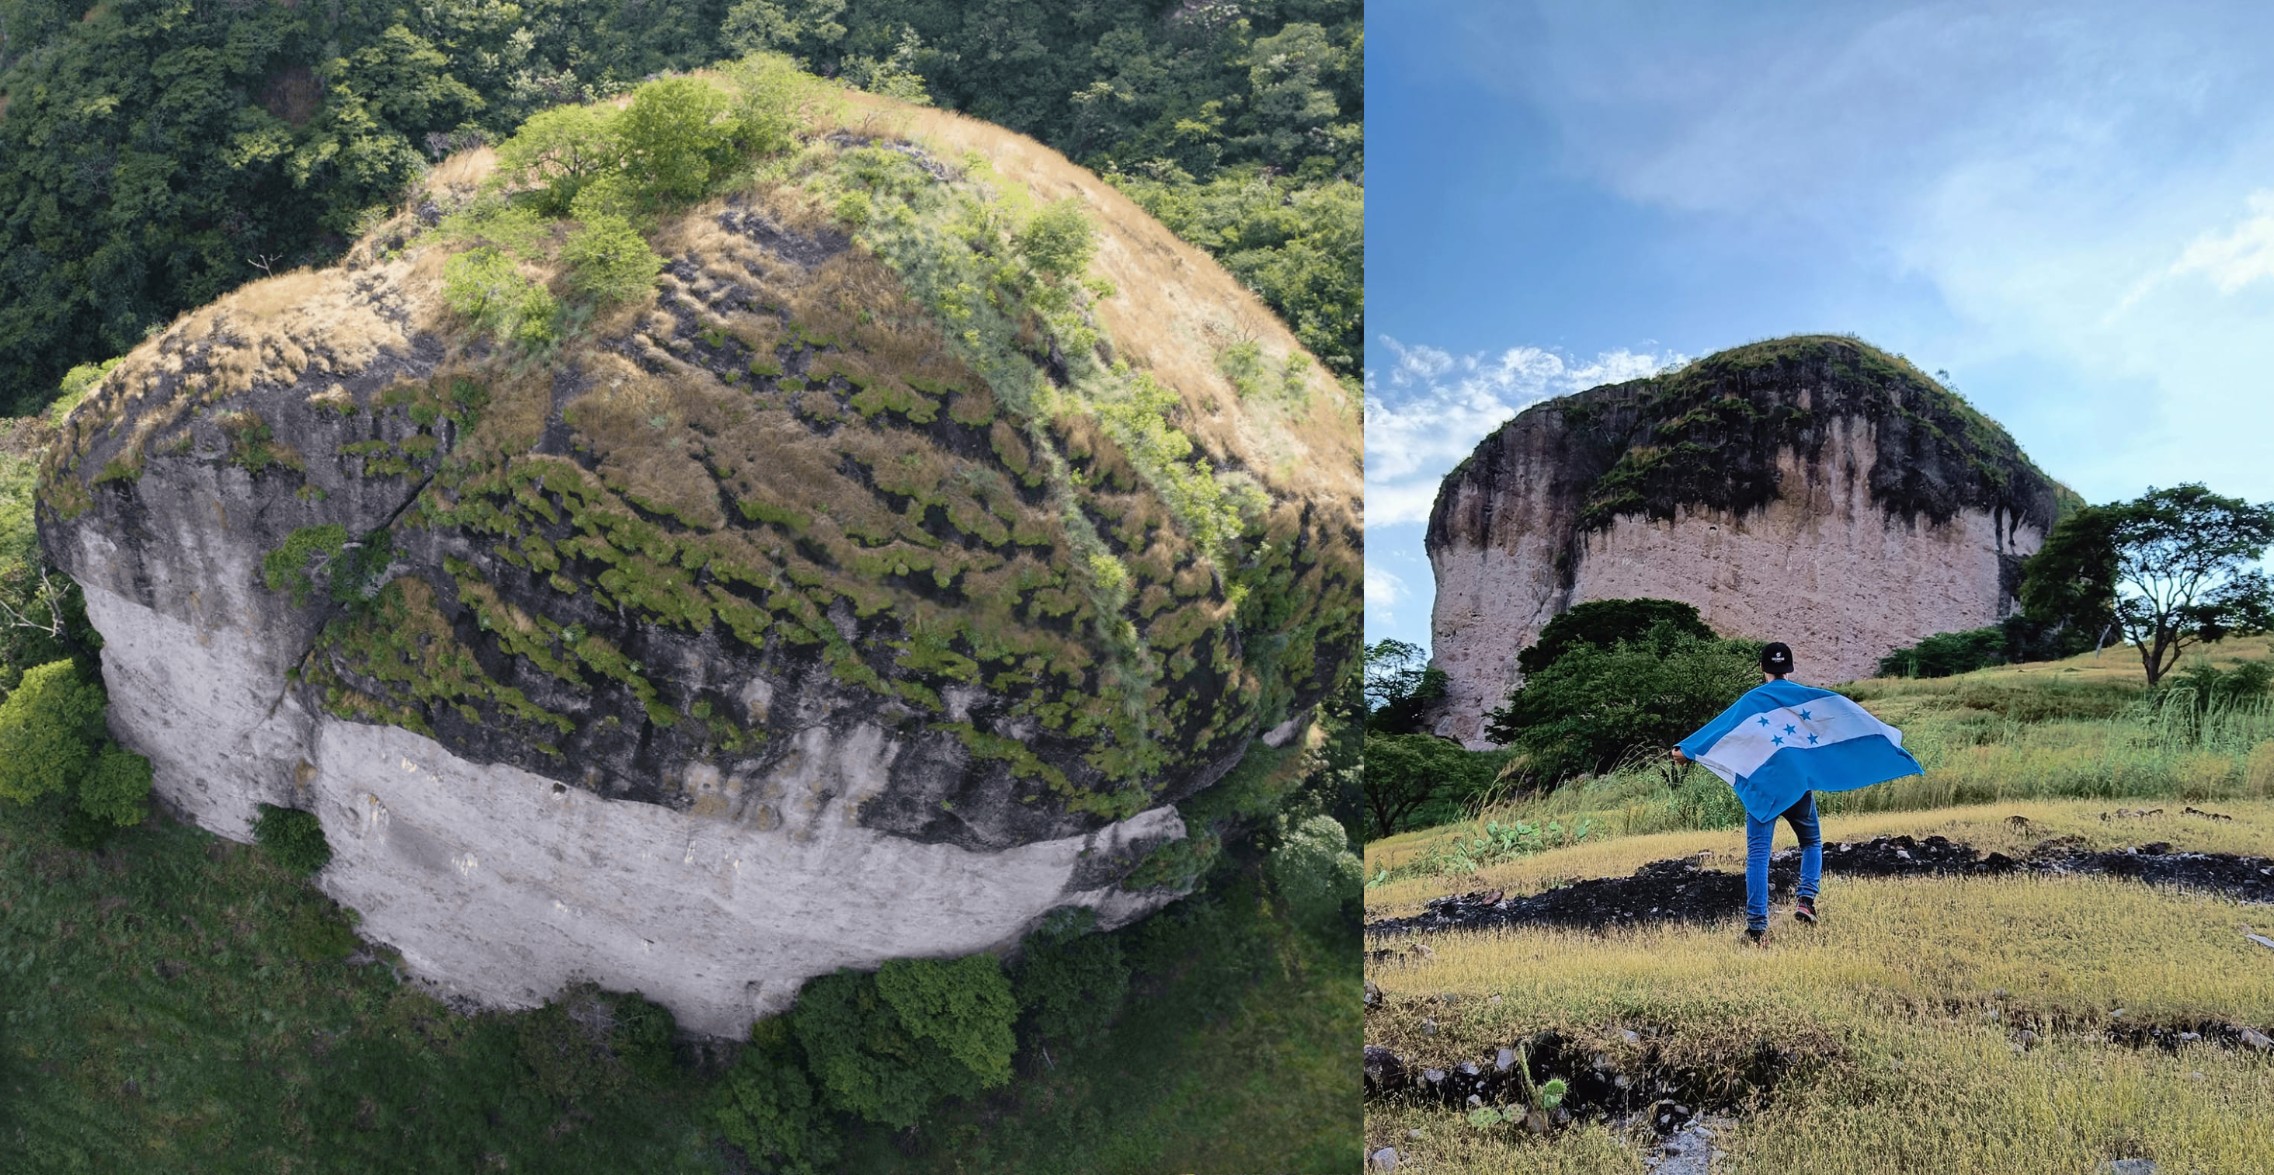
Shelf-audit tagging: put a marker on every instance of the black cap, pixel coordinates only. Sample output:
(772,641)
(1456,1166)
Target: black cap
(1776,657)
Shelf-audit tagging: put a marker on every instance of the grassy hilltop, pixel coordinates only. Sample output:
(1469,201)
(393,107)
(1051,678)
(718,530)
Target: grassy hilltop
(2030,1020)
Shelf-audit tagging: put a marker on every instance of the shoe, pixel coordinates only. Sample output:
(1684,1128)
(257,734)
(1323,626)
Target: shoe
(1805,910)
(1753,936)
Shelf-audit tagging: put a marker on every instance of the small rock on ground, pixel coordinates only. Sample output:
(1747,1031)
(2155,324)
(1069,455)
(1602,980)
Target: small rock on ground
(2129,1167)
(1385,1159)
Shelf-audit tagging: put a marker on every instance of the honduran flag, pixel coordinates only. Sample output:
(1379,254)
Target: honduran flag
(1784,738)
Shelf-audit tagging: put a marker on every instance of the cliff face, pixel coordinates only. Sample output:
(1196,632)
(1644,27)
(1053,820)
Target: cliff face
(756,628)
(1810,490)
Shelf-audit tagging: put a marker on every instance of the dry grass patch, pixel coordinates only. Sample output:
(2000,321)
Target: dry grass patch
(1987,827)
(1911,998)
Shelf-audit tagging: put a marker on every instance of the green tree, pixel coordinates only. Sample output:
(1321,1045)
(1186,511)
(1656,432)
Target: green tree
(2070,583)
(49,729)
(964,1006)
(558,151)
(2185,571)
(886,1047)
(609,261)
(1407,775)
(804,29)
(1594,706)
(1070,981)
(768,1107)
(1401,686)
(1603,624)
(678,137)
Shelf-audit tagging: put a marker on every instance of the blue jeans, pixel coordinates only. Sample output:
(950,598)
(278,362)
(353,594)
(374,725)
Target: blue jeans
(1758,834)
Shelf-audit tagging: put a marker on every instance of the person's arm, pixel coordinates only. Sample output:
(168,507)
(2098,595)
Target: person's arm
(1679,757)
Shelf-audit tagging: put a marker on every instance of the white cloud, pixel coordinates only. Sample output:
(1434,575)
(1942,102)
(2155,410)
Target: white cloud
(1384,591)
(1434,407)
(2239,256)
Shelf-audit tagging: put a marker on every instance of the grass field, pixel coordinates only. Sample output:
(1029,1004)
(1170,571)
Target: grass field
(178,1003)
(2081,728)
(1957,1024)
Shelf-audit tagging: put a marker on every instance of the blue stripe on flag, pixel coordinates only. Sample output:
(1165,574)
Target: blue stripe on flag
(1841,766)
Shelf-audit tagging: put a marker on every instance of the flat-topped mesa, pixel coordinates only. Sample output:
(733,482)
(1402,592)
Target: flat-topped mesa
(1812,490)
(822,605)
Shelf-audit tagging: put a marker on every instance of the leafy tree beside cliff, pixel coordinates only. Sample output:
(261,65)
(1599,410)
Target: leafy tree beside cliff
(1594,706)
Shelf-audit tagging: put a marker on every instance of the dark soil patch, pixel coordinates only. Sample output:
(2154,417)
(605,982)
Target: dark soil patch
(1682,890)
(1652,1085)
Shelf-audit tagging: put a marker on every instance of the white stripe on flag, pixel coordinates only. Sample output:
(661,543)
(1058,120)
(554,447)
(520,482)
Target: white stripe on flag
(1818,723)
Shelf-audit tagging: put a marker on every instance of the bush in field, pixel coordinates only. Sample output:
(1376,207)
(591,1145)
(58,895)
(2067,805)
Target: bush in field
(1593,706)
(558,151)
(293,838)
(1058,241)
(609,260)
(1315,872)
(485,285)
(1070,982)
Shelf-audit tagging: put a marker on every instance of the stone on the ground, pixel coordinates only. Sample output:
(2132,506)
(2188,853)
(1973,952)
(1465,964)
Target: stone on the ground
(1385,1159)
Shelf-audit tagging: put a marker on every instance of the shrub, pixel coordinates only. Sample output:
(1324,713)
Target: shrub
(1070,982)
(49,728)
(563,1052)
(1315,872)
(485,285)
(293,838)
(116,789)
(1058,241)
(768,89)
(609,261)
(287,567)
(319,932)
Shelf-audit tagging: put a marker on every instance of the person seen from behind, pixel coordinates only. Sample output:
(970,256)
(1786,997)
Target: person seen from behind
(1778,746)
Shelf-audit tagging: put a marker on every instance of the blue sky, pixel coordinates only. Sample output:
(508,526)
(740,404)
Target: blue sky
(2069,208)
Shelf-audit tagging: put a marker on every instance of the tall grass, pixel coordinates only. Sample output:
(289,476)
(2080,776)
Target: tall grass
(1981,739)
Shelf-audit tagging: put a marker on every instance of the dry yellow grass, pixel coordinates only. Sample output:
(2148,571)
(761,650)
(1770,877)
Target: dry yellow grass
(1891,1002)
(1988,827)
(1177,310)
(336,322)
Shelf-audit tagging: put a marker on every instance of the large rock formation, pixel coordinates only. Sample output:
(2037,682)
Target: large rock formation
(1812,490)
(826,605)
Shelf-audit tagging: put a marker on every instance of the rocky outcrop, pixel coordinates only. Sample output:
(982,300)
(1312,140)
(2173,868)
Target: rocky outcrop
(1811,490)
(755,629)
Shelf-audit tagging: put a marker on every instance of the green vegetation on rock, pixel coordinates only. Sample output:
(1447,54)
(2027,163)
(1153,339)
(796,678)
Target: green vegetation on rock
(294,837)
